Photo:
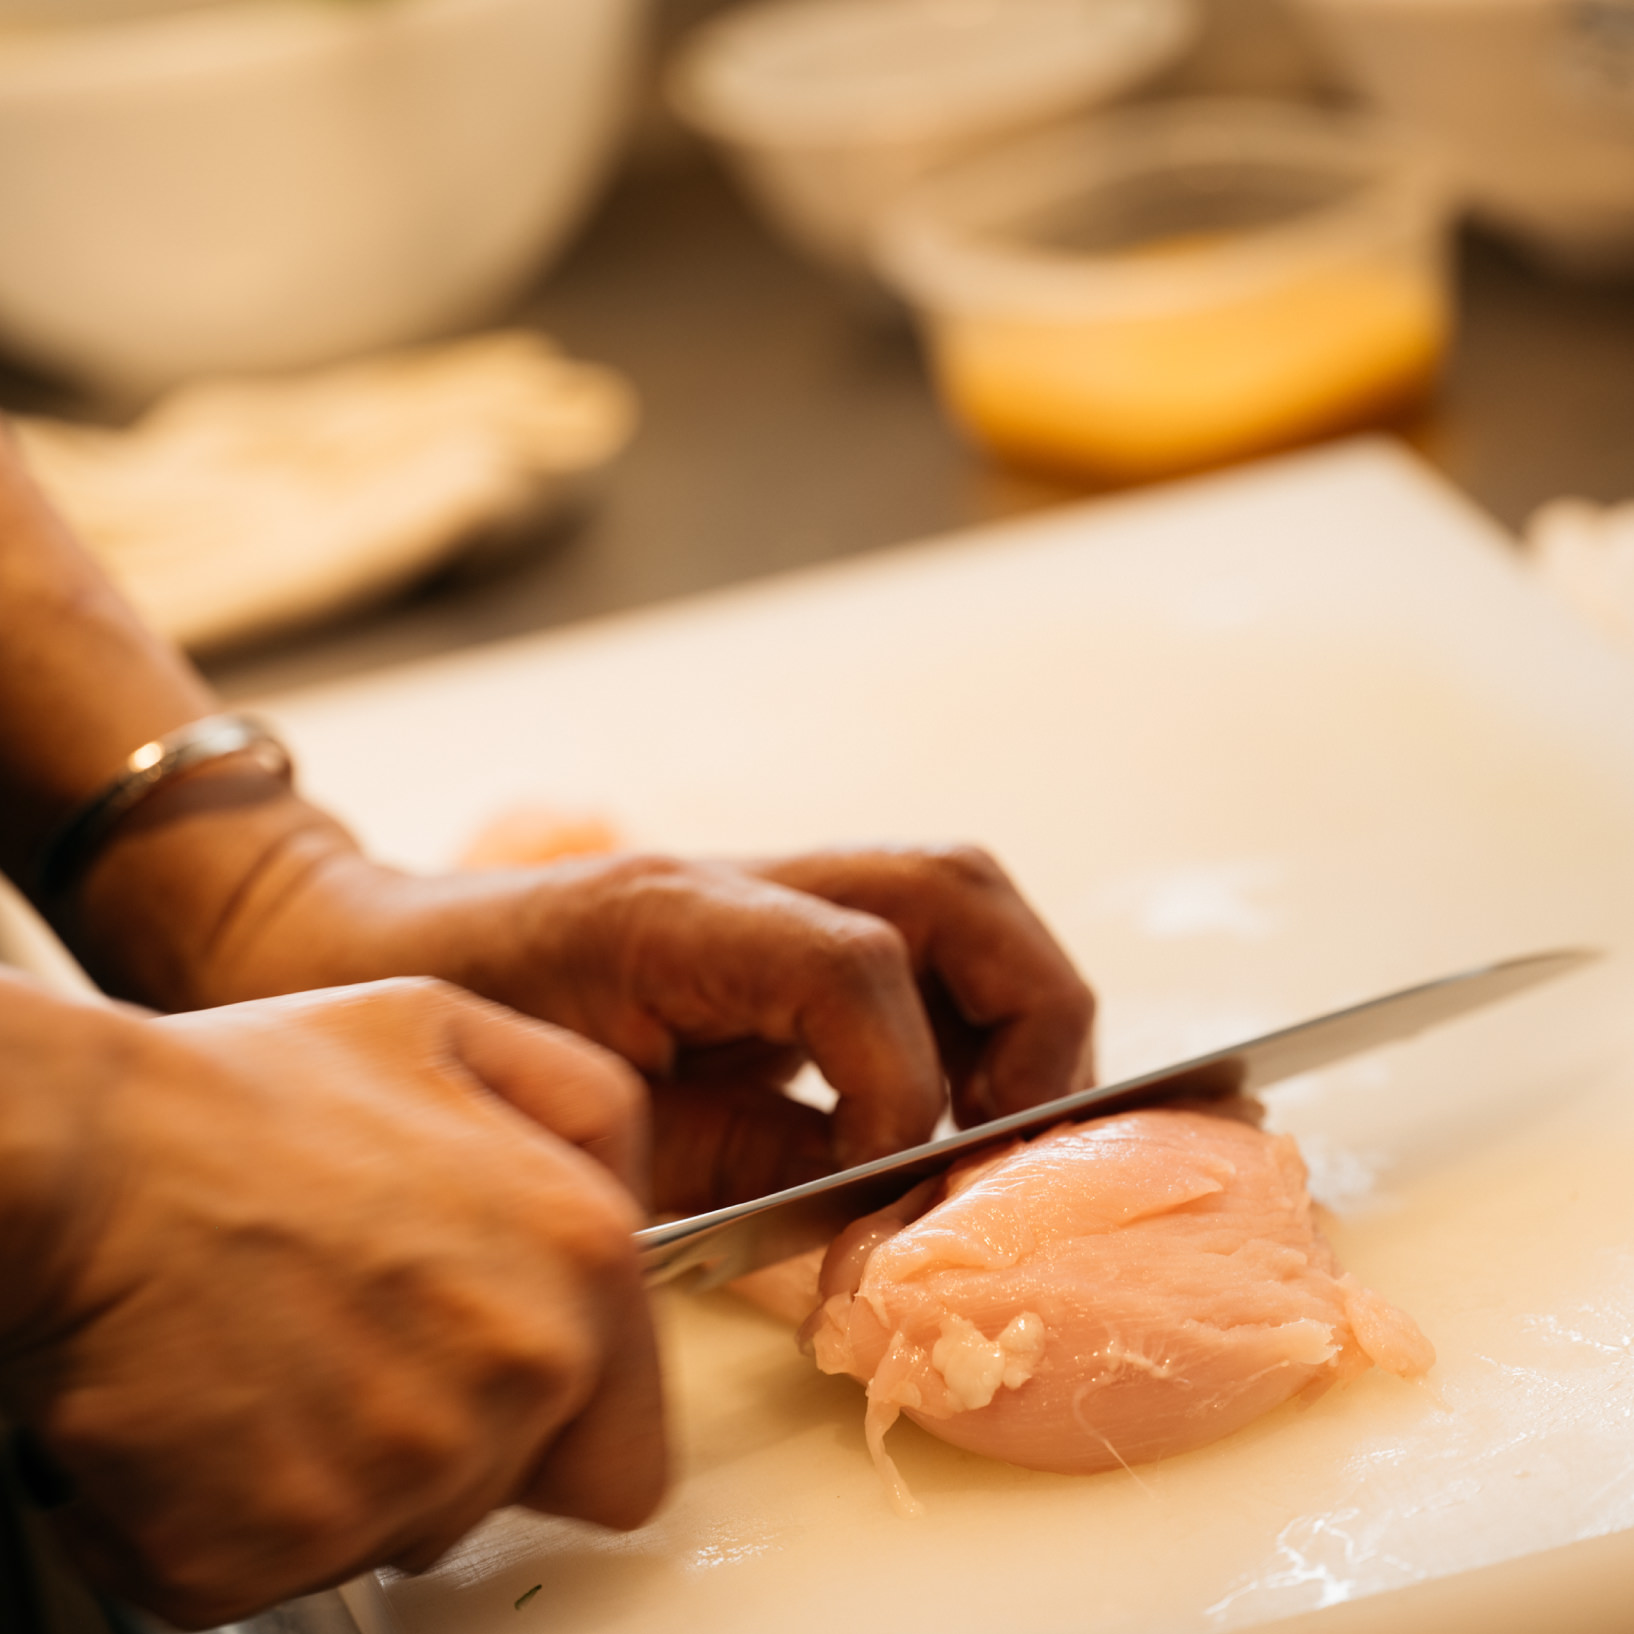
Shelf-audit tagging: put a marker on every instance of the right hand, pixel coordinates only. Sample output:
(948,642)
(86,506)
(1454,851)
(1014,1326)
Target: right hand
(313,1284)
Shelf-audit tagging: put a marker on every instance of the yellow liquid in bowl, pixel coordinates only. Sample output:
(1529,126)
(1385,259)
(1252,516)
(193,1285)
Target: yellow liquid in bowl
(1136,398)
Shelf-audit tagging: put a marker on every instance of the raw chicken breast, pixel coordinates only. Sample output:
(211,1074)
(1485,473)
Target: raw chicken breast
(1109,1293)
(788,1290)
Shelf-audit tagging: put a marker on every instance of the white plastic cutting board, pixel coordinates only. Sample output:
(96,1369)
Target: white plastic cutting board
(1258,745)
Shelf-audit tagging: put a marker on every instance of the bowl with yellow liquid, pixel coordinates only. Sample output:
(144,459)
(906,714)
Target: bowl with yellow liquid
(1179,285)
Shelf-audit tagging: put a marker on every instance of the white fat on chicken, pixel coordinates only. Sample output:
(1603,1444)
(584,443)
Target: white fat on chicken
(974,1368)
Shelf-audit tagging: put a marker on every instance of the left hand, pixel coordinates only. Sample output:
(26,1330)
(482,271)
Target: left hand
(904,975)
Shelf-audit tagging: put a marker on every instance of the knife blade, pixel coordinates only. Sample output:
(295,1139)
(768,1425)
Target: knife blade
(730,1242)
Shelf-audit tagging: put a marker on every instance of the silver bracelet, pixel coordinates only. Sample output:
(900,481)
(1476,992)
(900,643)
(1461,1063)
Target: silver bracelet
(66,854)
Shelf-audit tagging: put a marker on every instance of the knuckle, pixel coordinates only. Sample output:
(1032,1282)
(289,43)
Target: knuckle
(970,865)
(636,870)
(600,1232)
(419,1447)
(618,895)
(538,1374)
(587,1226)
(864,953)
(552,1375)
(422,1013)
(415,993)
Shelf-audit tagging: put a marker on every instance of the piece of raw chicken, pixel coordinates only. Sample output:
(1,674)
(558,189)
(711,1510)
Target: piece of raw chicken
(1109,1293)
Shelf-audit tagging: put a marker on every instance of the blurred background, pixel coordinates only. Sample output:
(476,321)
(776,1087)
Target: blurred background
(351,331)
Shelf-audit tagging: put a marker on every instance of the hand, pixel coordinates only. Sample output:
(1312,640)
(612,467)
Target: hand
(314,1284)
(902,974)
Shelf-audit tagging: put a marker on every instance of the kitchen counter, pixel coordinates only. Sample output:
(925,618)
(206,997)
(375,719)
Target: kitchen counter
(788,420)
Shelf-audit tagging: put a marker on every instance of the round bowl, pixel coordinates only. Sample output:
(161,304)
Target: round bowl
(268,184)
(1530,101)
(1178,285)
(829,109)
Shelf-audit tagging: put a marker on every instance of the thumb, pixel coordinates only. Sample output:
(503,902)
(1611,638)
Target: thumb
(578,1091)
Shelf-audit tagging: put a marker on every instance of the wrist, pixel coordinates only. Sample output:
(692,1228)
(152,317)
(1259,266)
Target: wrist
(169,911)
(147,770)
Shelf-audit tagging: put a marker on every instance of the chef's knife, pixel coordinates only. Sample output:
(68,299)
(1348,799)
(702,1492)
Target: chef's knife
(729,1242)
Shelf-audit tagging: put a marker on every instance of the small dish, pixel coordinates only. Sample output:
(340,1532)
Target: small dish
(1179,285)
(827,109)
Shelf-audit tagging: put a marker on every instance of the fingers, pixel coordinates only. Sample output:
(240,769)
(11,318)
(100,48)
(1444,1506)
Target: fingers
(1019,1023)
(658,958)
(961,1045)
(610,1464)
(716,1143)
(901,974)
(898,972)
(580,1092)
(861,1018)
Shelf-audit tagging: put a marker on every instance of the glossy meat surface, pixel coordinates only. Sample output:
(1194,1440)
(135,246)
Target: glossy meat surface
(1110,1293)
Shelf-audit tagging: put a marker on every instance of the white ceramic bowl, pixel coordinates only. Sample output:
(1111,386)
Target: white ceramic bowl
(829,109)
(268,184)
(1531,103)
